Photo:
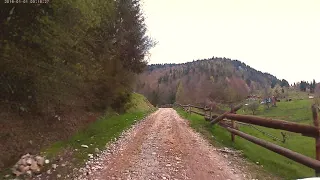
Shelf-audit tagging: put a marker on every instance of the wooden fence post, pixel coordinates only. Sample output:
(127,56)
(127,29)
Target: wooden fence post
(189,108)
(233,124)
(316,124)
(210,113)
(205,111)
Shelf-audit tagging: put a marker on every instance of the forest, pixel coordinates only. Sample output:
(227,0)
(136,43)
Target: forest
(65,57)
(216,79)
(63,53)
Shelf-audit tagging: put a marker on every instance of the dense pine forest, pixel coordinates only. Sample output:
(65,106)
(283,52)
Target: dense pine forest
(61,59)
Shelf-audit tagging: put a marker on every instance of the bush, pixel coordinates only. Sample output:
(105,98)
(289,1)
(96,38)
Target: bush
(253,106)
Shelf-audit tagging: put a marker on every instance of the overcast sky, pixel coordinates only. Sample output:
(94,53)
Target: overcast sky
(281,37)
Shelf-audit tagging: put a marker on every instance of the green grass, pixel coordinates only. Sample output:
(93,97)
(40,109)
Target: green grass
(297,111)
(96,135)
(138,103)
(102,131)
(295,94)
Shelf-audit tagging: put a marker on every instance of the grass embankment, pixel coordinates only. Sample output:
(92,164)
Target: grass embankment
(102,131)
(296,111)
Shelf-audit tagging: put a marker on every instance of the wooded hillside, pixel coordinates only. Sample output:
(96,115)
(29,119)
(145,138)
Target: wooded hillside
(216,79)
(64,53)
(62,64)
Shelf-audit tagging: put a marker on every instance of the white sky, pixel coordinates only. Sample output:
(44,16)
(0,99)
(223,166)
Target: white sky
(281,37)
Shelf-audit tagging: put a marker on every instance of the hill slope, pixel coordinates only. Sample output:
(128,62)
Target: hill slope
(197,82)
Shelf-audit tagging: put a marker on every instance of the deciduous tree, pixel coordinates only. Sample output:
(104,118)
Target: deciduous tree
(253,106)
(65,53)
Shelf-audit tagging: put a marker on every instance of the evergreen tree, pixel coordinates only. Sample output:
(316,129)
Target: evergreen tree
(312,86)
(303,86)
(179,94)
(284,83)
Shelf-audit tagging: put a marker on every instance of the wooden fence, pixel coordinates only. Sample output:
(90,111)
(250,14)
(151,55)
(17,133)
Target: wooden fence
(231,126)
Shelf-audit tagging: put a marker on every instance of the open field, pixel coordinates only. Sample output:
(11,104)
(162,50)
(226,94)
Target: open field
(297,111)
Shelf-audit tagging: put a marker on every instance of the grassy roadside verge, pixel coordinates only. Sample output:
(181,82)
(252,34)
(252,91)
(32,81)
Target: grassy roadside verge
(102,131)
(96,135)
(272,162)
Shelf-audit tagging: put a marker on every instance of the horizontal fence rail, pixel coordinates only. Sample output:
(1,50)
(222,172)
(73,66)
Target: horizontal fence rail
(305,130)
(201,114)
(305,160)
(276,124)
(222,116)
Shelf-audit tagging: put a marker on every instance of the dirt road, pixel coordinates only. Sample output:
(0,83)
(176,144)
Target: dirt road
(163,146)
